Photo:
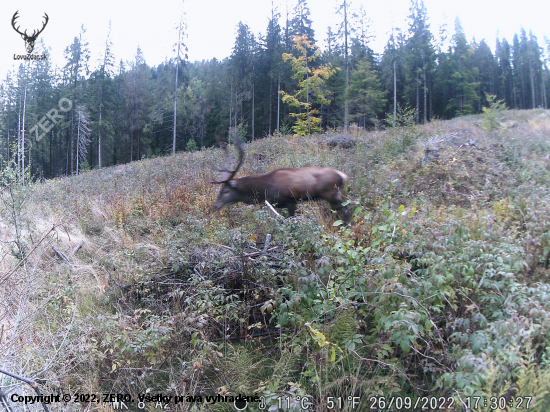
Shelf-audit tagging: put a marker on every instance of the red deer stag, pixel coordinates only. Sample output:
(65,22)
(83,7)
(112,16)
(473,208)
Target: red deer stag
(282,187)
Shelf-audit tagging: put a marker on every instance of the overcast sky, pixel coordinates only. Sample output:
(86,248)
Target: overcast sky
(211,24)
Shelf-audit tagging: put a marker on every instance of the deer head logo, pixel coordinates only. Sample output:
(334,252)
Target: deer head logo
(29,40)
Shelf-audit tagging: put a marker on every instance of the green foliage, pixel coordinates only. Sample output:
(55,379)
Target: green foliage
(448,298)
(515,370)
(464,75)
(311,83)
(191,145)
(403,117)
(241,131)
(285,129)
(284,369)
(364,93)
(490,112)
(404,133)
(16,188)
(240,370)
(343,329)
(85,166)
(305,123)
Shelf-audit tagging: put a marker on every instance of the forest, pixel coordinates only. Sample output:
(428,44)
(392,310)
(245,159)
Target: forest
(277,82)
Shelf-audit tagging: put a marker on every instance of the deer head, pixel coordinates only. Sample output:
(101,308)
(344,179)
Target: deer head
(29,40)
(227,192)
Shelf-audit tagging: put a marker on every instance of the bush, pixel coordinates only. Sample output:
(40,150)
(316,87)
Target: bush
(191,145)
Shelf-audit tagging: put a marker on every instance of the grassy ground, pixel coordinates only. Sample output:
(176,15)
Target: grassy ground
(439,288)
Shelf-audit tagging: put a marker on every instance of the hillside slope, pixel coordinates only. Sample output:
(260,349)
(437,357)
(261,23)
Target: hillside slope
(440,287)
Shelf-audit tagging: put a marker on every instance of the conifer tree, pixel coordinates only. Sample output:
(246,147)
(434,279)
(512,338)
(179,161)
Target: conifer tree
(463,78)
(365,94)
(419,60)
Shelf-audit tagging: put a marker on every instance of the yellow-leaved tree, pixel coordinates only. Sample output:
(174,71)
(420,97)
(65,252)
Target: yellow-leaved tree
(310,89)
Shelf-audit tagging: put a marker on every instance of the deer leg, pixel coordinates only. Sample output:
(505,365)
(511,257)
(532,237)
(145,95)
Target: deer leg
(291,207)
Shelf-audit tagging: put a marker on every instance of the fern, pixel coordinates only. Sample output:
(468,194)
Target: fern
(529,378)
(343,328)
(533,380)
(284,368)
(238,370)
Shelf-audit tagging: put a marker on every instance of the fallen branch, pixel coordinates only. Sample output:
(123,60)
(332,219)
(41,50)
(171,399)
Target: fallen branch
(61,255)
(33,385)
(4,402)
(267,242)
(67,258)
(3,279)
(282,219)
(77,248)
(261,253)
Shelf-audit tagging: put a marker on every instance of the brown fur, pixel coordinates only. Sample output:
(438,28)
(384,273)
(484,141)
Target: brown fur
(285,187)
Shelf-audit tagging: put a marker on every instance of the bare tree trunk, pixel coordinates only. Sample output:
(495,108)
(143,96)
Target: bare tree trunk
(8,125)
(101,99)
(523,102)
(19,133)
(176,89)
(543,92)
(252,108)
(307,98)
(278,100)
(241,101)
(270,104)
(417,98)
(100,112)
(425,99)
(394,91)
(99,139)
(72,112)
(230,105)
(132,138)
(23,128)
(68,155)
(71,141)
(346,103)
(175,111)
(77,141)
(51,149)
(532,82)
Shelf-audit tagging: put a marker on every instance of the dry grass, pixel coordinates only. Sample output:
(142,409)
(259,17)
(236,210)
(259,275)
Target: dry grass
(140,221)
(115,208)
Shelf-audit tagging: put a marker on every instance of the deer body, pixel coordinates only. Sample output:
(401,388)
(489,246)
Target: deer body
(283,187)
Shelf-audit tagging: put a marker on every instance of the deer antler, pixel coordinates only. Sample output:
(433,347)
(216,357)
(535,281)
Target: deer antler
(228,174)
(15,16)
(35,34)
